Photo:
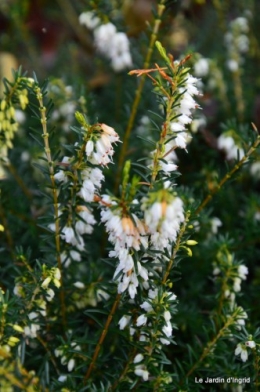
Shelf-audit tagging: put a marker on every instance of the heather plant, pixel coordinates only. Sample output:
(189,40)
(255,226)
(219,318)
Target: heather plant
(129,233)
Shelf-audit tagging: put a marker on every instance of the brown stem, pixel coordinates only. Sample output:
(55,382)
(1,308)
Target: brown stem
(45,136)
(102,337)
(228,175)
(19,181)
(124,372)
(49,352)
(138,93)
(72,18)
(176,248)
(8,235)
(211,344)
(257,370)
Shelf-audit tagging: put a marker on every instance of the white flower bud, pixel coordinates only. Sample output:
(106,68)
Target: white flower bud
(138,358)
(142,373)
(250,343)
(79,285)
(71,364)
(50,294)
(46,282)
(57,274)
(124,321)
(141,320)
(57,283)
(17,328)
(167,315)
(62,378)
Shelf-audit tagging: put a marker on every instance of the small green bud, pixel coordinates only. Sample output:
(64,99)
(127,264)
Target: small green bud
(30,82)
(229,258)
(46,282)
(162,52)
(23,101)
(12,341)
(56,283)
(189,251)
(126,171)
(3,105)
(57,274)
(191,242)
(80,118)
(17,328)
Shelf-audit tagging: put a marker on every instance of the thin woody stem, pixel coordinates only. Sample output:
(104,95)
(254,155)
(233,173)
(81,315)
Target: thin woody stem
(102,337)
(125,370)
(257,370)
(221,13)
(19,181)
(211,344)
(49,353)
(171,150)
(45,136)
(176,247)
(7,232)
(138,92)
(228,176)
(160,144)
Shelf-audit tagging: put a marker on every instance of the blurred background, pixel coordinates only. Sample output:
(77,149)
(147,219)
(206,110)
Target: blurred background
(46,37)
(223,36)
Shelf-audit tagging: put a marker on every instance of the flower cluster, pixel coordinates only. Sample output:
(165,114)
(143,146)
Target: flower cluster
(91,182)
(181,115)
(152,326)
(109,42)
(154,301)
(33,323)
(65,104)
(231,274)
(66,357)
(83,224)
(9,123)
(128,234)
(7,343)
(163,214)
(49,276)
(98,151)
(99,147)
(89,20)
(242,348)
(236,272)
(85,296)
(202,67)
(230,143)
(242,315)
(212,80)
(237,42)
(53,276)
(184,110)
